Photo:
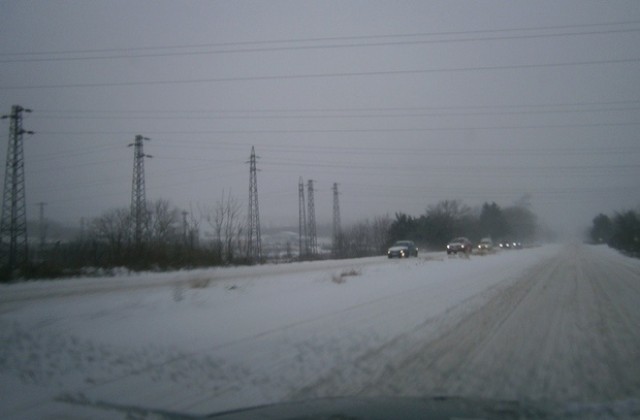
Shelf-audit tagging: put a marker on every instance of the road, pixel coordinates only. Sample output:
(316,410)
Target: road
(568,330)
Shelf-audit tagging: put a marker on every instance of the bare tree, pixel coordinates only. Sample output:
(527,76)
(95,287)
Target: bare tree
(226,222)
(380,232)
(193,228)
(447,219)
(163,223)
(112,229)
(357,240)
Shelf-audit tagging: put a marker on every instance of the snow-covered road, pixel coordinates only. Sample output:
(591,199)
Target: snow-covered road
(567,330)
(556,323)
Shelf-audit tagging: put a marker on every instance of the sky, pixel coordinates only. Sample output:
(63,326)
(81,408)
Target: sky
(402,103)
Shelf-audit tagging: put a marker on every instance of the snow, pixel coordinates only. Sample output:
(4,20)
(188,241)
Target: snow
(204,341)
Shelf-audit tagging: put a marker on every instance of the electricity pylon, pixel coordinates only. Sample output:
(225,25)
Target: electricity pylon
(311,233)
(42,225)
(303,240)
(254,242)
(138,195)
(336,221)
(13,224)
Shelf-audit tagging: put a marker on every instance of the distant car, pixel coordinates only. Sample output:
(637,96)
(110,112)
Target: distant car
(485,245)
(510,245)
(403,249)
(460,244)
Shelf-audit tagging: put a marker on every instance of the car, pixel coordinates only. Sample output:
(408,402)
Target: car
(403,249)
(460,244)
(510,245)
(485,245)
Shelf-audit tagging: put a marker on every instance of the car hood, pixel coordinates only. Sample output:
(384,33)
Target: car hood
(409,408)
(428,408)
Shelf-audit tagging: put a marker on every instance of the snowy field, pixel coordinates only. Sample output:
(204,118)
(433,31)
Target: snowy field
(204,341)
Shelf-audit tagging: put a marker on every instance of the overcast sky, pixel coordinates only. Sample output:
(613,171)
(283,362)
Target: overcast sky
(403,103)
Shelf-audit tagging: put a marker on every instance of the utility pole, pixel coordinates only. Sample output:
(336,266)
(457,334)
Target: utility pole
(336,222)
(138,195)
(303,240)
(313,238)
(13,224)
(254,242)
(43,226)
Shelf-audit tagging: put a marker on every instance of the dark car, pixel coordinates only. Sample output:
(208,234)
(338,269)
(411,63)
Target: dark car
(460,244)
(403,249)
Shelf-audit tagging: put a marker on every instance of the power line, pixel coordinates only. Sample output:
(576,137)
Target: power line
(139,51)
(279,165)
(361,130)
(448,167)
(484,192)
(369,151)
(313,47)
(344,116)
(303,76)
(168,113)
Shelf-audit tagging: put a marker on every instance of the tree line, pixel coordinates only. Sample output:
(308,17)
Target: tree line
(438,225)
(451,218)
(620,231)
(216,235)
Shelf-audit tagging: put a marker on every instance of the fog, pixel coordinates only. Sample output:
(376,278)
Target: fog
(403,104)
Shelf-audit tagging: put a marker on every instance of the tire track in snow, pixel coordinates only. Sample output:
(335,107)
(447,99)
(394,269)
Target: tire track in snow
(408,353)
(567,330)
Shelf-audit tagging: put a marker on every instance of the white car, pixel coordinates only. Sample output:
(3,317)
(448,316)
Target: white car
(485,245)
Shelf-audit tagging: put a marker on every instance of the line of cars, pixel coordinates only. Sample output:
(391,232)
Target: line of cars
(510,245)
(462,245)
(485,246)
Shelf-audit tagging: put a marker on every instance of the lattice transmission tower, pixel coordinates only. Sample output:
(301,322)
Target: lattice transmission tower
(336,240)
(311,232)
(42,225)
(303,239)
(254,242)
(13,224)
(139,213)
